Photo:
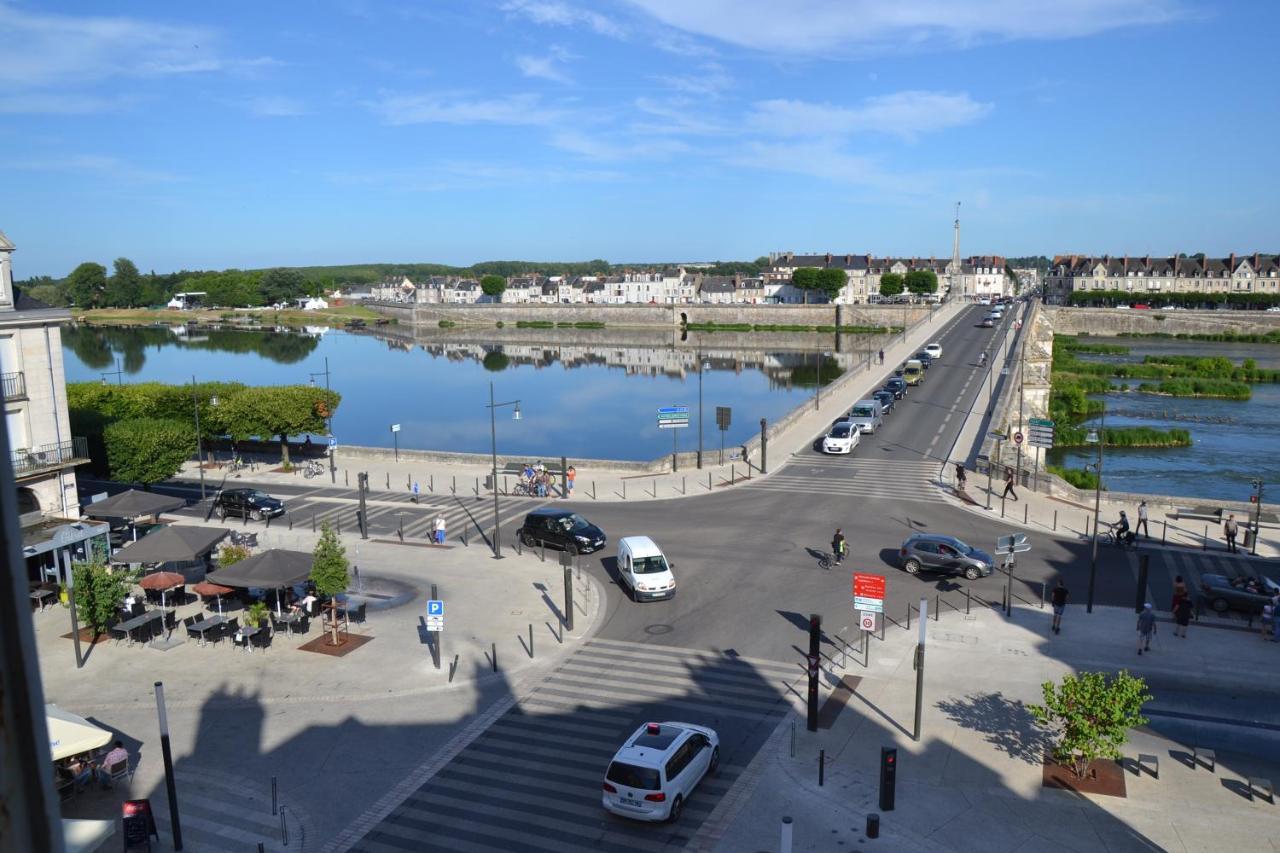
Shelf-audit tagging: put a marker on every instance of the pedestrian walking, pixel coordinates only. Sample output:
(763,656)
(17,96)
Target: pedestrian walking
(960,476)
(1059,601)
(570,477)
(439,527)
(1181,617)
(882,356)
(839,546)
(1142,521)
(1180,591)
(1008,485)
(1229,530)
(1146,628)
(416,491)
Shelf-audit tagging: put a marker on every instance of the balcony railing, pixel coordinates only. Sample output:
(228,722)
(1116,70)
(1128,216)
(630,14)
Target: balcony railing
(50,457)
(14,385)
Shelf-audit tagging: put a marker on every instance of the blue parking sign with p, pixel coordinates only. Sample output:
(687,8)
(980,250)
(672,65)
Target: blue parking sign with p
(435,608)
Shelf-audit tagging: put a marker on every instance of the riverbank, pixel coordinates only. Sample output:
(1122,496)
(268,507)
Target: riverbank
(238,317)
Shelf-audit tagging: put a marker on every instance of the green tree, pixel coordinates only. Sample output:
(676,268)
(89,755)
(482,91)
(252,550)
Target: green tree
(99,591)
(1092,715)
(922,281)
(493,285)
(229,555)
(806,279)
(282,285)
(280,410)
(125,285)
(891,284)
(148,450)
(831,281)
(496,362)
(87,285)
(329,572)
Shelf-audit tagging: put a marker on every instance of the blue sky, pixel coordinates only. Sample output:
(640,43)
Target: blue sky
(254,134)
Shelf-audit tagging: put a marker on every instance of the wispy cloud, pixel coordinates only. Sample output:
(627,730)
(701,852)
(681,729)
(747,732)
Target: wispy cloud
(461,108)
(872,25)
(556,13)
(103,166)
(711,79)
(904,114)
(823,159)
(275,105)
(546,67)
(600,146)
(62,103)
(469,175)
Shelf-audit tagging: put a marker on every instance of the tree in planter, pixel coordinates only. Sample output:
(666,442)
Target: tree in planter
(1092,714)
(890,284)
(147,450)
(329,572)
(256,614)
(98,593)
(229,555)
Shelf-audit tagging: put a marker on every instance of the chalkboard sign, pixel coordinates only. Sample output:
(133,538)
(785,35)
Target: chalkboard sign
(138,823)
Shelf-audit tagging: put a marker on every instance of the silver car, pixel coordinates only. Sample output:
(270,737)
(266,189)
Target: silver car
(935,553)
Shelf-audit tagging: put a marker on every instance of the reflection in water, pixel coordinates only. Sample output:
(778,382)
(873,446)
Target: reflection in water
(97,346)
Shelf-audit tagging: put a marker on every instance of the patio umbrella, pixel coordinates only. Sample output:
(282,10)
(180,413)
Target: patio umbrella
(162,581)
(71,734)
(132,504)
(215,589)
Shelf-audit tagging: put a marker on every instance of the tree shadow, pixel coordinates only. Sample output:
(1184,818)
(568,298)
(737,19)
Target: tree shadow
(1008,724)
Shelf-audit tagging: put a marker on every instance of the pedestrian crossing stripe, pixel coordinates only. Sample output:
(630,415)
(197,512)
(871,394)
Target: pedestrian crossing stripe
(912,491)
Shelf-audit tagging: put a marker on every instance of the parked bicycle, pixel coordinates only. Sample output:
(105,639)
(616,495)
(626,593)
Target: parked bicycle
(313,469)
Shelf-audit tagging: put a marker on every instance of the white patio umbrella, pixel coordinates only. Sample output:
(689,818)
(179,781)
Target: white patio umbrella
(70,734)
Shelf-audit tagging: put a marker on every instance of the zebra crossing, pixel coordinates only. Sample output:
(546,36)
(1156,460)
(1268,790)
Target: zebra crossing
(851,476)
(531,781)
(221,811)
(391,513)
(1167,564)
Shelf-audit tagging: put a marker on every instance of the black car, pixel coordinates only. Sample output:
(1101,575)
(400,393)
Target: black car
(252,503)
(896,386)
(885,398)
(1247,595)
(924,358)
(561,528)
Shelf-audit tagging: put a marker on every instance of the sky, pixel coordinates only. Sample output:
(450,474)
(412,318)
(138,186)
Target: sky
(250,134)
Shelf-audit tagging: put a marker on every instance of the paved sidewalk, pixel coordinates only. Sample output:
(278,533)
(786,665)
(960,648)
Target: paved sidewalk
(973,782)
(470,478)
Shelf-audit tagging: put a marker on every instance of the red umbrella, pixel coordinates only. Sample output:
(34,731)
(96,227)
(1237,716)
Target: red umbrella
(162,581)
(215,589)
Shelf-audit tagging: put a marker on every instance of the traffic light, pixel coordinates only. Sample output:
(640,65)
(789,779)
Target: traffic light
(888,777)
(815,640)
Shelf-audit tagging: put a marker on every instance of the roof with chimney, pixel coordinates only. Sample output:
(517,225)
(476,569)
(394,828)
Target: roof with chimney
(1194,266)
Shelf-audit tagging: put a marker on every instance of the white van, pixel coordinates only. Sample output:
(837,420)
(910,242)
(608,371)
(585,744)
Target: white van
(643,569)
(866,416)
(656,770)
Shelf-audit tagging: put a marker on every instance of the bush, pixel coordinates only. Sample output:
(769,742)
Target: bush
(1092,714)
(1078,477)
(99,592)
(446,324)
(148,450)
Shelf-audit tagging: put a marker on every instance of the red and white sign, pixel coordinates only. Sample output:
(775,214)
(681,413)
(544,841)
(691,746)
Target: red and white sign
(868,592)
(867,620)
(1017,438)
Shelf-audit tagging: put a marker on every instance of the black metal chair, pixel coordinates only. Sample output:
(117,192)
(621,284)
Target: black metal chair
(260,640)
(302,625)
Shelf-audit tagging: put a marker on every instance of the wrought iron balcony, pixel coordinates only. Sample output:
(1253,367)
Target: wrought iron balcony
(49,457)
(15,386)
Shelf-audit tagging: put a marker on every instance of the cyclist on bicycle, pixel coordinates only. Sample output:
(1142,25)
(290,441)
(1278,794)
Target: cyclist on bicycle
(839,546)
(982,359)
(1124,536)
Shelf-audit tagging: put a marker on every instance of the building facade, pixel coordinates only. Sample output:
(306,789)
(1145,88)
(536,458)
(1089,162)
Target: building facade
(1146,275)
(977,276)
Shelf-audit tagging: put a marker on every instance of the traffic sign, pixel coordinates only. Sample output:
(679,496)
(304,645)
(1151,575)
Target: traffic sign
(333,441)
(1043,423)
(1014,543)
(875,605)
(395,427)
(435,607)
(997,435)
(673,417)
(1017,438)
(868,592)
(867,621)
(435,624)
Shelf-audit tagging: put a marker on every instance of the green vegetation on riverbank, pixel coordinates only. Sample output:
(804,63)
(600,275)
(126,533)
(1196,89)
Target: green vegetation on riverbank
(1078,477)
(1074,436)
(1217,337)
(253,318)
(549,324)
(790,327)
(1198,388)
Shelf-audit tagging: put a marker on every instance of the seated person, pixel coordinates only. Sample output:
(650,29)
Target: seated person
(117,754)
(79,770)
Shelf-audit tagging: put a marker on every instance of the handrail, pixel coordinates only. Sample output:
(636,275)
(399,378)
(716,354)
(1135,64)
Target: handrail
(46,456)
(14,385)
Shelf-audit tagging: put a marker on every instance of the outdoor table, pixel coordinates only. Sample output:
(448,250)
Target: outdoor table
(291,618)
(41,595)
(128,626)
(246,632)
(206,624)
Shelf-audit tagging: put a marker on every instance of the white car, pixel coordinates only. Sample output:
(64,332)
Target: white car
(843,438)
(984,301)
(658,767)
(934,350)
(644,570)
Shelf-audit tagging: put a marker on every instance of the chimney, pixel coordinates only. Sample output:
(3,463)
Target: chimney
(1255,262)
(848,260)
(1176,259)
(1232,269)
(828,257)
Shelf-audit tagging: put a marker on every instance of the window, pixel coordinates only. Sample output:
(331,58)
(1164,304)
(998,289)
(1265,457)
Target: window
(645,778)
(680,759)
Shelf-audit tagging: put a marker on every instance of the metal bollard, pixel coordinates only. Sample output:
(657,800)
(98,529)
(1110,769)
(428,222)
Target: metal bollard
(454,488)
(408,481)
(544,550)
(431,482)
(477,487)
(937,605)
(313,522)
(624,490)
(504,484)
(733,473)
(346,477)
(284,827)
(530,641)
(388,481)
(784,845)
(709,487)
(684,485)
(1026,508)
(453,668)
(401,530)
(1164,530)
(593,490)
(908,617)
(493,648)
(465,528)
(822,767)
(873,825)
(655,487)
(968,596)
(519,549)
(1206,537)
(1055,519)
(793,737)
(274,807)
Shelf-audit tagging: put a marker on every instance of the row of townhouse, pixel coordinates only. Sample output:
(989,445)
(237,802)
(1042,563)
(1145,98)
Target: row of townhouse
(976,276)
(1255,273)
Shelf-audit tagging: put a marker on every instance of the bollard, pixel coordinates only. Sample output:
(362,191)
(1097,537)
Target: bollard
(784,845)
(346,477)
(493,648)
(1163,530)
(968,594)
(709,481)
(544,551)
(431,482)
(822,766)
(624,490)
(530,641)
(1026,508)
(1206,537)
(593,490)
(1086,526)
(793,737)
(908,617)
(454,488)
(655,487)
(1055,519)
(937,605)
(733,473)
(684,485)
(465,528)
(284,827)
(401,531)
(274,808)
(313,522)
(477,487)
(504,484)
(388,481)
(873,825)
(408,481)
(453,668)
(291,522)
(519,549)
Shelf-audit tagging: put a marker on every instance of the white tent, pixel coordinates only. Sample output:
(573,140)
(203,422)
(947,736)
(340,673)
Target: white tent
(71,735)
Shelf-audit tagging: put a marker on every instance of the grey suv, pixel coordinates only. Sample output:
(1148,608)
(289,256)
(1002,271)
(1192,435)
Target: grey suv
(929,552)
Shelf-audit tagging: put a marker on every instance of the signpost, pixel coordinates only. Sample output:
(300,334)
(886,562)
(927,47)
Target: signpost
(435,615)
(868,593)
(1007,546)
(867,621)
(673,417)
(724,416)
(1041,437)
(395,436)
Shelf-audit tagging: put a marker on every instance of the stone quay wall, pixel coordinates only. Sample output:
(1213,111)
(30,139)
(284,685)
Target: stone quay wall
(1110,321)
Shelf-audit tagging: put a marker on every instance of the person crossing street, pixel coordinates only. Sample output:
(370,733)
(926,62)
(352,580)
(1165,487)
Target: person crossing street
(839,547)
(1142,521)
(1059,600)
(1229,530)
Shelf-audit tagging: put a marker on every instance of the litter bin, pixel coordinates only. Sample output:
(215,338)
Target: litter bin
(1249,535)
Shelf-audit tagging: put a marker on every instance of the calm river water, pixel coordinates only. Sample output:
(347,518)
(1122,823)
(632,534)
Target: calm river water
(1234,441)
(586,400)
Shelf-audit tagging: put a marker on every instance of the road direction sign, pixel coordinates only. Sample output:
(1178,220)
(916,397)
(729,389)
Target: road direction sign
(1044,423)
(867,621)
(874,605)
(395,427)
(435,607)
(997,435)
(1014,543)
(673,417)
(868,592)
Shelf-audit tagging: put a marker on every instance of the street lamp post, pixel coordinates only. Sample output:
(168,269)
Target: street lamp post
(118,373)
(1257,515)
(213,401)
(328,421)
(493,436)
(1096,437)
(700,369)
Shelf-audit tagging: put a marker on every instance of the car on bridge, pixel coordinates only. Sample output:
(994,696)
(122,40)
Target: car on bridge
(842,438)
(913,372)
(886,399)
(657,768)
(934,350)
(924,358)
(247,503)
(988,323)
(897,387)
(937,553)
(866,416)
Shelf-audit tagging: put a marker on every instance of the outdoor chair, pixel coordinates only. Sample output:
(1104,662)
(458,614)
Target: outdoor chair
(357,615)
(302,625)
(279,626)
(229,629)
(118,771)
(65,784)
(139,608)
(170,620)
(260,640)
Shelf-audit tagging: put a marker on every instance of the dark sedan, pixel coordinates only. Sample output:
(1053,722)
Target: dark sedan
(924,358)
(886,399)
(250,503)
(1218,593)
(897,387)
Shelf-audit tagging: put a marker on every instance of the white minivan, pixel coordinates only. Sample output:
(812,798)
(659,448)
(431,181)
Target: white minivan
(656,770)
(643,569)
(865,414)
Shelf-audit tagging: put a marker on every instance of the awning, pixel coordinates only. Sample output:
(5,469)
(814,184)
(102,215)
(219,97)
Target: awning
(134,504)
(274,568)
(71,735)
(172,544)
(86,836)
